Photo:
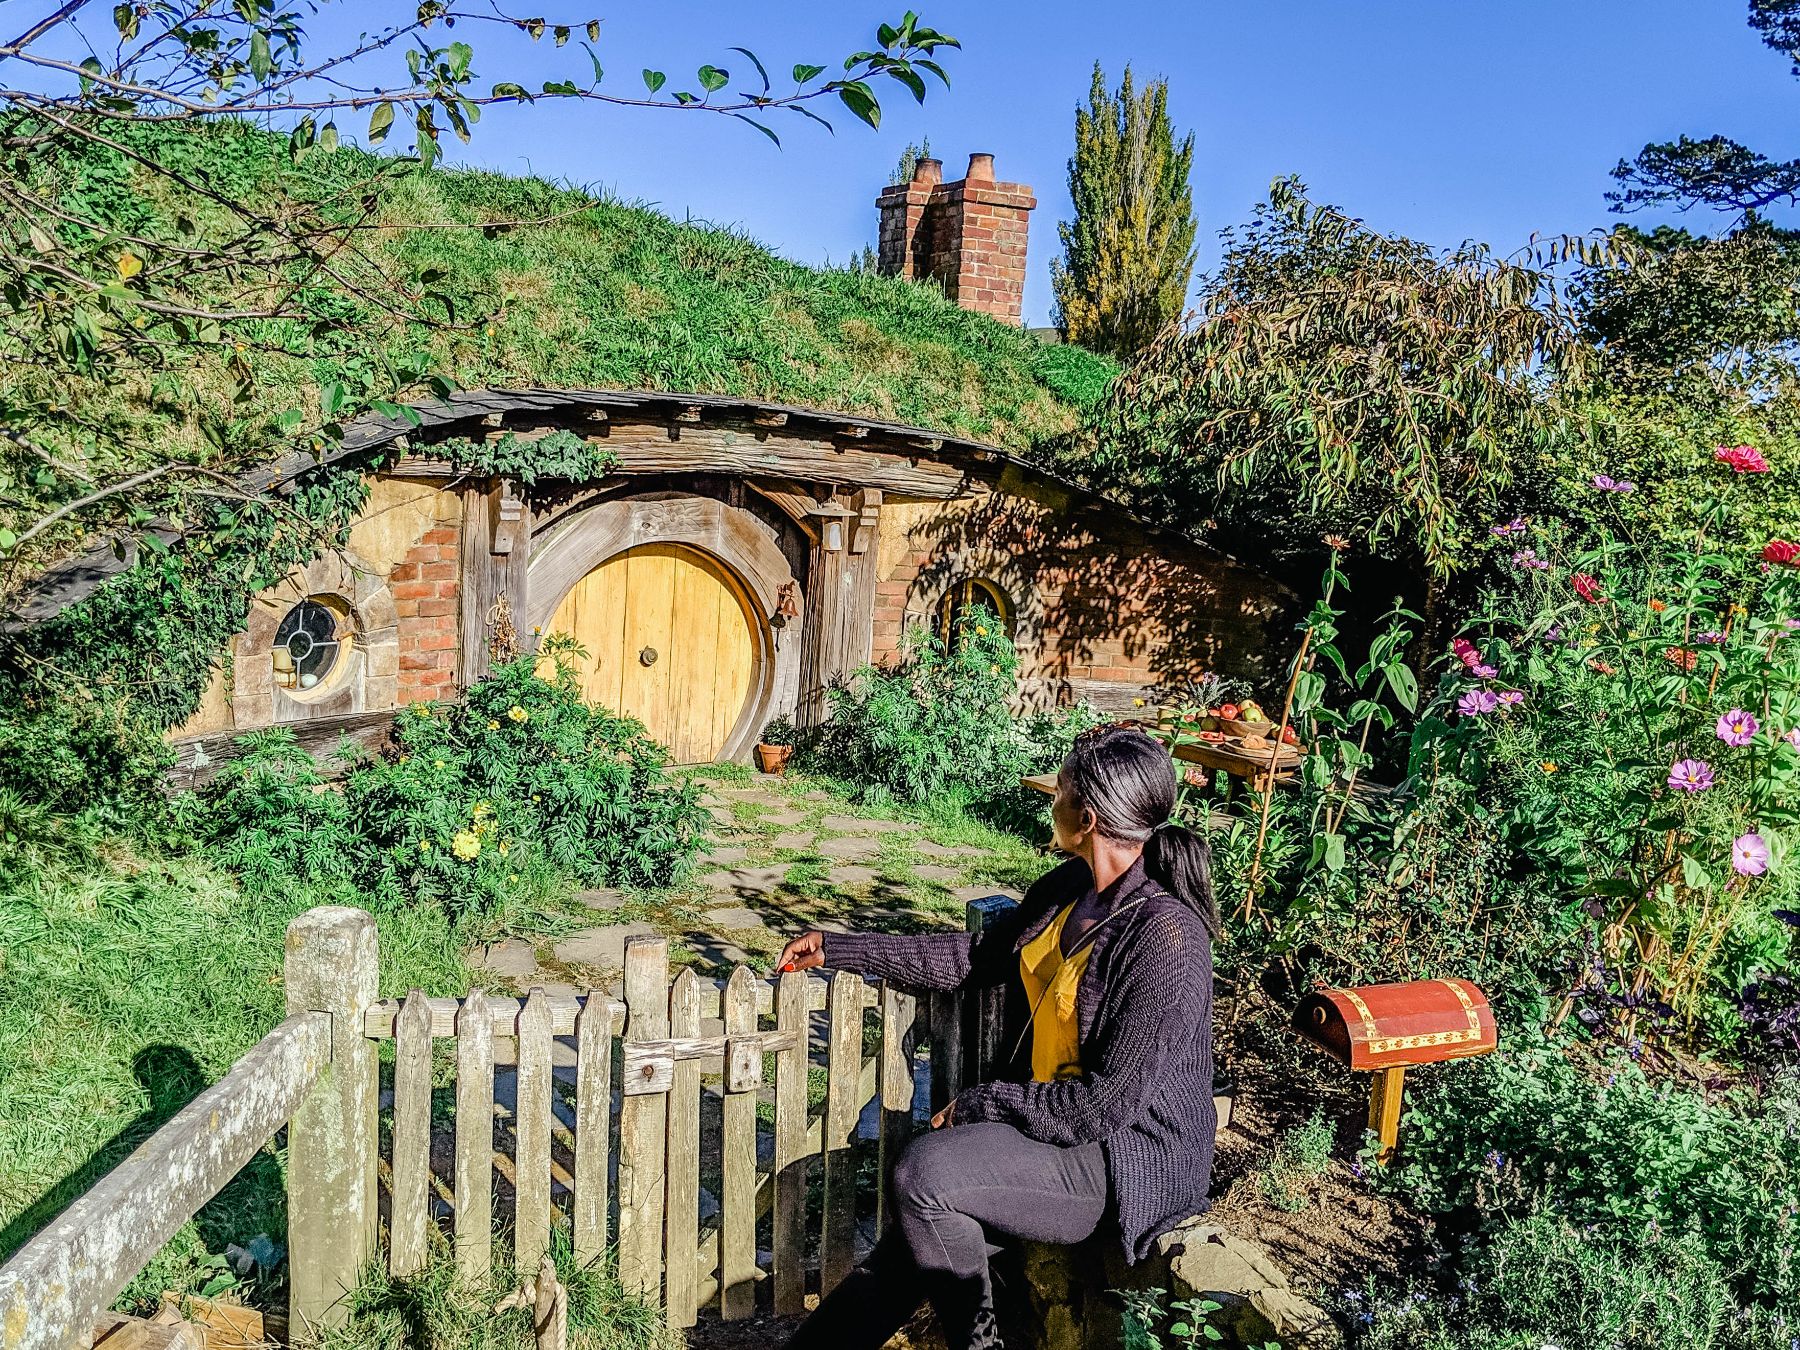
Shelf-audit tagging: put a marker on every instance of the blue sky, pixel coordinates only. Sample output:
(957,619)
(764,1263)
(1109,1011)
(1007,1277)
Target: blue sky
(1442,119)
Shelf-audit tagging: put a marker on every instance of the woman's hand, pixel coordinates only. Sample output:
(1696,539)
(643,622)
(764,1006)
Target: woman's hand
(806,952)
(944,1119)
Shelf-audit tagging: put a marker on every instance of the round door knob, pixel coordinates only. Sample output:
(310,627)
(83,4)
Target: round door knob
(647,656)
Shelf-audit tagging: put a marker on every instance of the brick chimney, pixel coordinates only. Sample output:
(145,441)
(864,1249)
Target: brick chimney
(969,235)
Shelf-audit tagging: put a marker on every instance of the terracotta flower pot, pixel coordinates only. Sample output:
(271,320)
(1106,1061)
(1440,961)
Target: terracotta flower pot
(773,758)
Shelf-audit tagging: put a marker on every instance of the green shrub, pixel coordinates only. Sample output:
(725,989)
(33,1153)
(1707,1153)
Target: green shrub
(1543,1282)
(937,727)
(521,778)
(1296,1163)
(1621,1157)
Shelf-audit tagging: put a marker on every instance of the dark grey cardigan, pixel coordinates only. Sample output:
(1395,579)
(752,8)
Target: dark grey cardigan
(1144,1006)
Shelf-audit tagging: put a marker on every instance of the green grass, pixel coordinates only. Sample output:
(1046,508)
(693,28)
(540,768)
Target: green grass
(1296,1163)
(599,294)
(126,987)
(433,1310)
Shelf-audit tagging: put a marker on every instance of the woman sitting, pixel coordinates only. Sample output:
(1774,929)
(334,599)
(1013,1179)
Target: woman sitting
(1107,1112)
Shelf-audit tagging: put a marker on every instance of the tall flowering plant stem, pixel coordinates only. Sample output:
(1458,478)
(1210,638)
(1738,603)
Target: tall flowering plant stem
(1641,712)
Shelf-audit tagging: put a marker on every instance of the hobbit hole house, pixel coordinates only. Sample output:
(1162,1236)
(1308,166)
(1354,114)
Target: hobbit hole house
(733,559)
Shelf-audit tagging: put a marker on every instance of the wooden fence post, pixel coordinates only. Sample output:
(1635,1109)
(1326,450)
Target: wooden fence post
(643,1120)
(333,1144)
(986,1008)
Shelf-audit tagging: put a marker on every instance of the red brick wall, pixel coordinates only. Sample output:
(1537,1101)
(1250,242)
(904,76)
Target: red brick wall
(424,588)
(1104,609)
(970,236)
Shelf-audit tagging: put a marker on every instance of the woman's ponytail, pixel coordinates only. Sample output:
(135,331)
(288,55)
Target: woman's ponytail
(1180,861)
(1128,781)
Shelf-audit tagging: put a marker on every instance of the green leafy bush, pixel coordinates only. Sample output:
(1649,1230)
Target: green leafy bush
(1614,1153)
(937,727)
(522,777)
(1543,1282)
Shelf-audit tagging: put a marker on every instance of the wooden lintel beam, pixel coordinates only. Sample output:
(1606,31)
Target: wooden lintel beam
(770,419)
(493,419)
(851,433)
(690,413)
(926,443)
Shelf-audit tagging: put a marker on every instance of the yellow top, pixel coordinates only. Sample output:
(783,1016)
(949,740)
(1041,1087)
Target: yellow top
(1050,980)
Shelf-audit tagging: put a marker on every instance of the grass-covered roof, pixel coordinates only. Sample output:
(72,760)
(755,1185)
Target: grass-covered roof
(545,286)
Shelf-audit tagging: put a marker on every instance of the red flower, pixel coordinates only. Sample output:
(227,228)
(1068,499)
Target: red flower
(1603,667)
(1780,551)
(1683,656)
(1589,589)
(1742,458)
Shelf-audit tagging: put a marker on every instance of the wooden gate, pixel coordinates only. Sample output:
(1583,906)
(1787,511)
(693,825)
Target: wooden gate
(669,635)
(605,1133)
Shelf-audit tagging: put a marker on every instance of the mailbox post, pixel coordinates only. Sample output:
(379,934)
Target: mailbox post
(1385,1029)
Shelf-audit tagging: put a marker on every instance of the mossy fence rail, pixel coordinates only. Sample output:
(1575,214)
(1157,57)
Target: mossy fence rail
(619,1163)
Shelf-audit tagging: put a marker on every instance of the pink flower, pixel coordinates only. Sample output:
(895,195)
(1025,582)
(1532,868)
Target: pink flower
(1750,855)
(1780,551)
(1690,775)
(1511,697)
(1741,458)
(1606,484)
(1793,738)
(1483,672)
(1514,526)
(1589,589)
(1476,702)
(1529,560)
(1465,652)
(1736,727)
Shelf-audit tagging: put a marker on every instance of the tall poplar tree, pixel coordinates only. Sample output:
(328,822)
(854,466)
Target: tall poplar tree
(1129,252)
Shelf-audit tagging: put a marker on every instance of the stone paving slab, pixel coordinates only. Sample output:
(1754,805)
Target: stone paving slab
(604,899)
(967,893)
(798,843)
(746,880)
(514,958)
(732,916)
(724,853)
(848,846)
(937,872)
(850,875)
(849,824)
(782,819)
(601,946)
(932,850)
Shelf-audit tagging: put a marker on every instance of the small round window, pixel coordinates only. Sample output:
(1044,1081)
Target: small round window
(972,593)
(310,644)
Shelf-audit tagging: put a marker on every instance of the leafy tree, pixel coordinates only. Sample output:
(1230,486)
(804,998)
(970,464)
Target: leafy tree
(104,307)
(1716,171)
(1129,253)
(909,162)
(1340,380)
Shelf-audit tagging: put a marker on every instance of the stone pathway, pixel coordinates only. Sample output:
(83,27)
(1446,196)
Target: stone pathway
(780,861)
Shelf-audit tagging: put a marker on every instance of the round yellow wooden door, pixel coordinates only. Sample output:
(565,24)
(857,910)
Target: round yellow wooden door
(668,635)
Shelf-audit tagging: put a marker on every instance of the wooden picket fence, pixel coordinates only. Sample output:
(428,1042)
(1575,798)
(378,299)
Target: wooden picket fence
(603,1137)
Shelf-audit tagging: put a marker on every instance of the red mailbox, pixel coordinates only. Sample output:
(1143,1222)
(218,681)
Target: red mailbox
(1389,1028)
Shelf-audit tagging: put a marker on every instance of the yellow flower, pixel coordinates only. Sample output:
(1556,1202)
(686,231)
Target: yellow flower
(130,265)
(1739,609)
(512,876)
(518,714)
(1137,702)
(424,845)
(1548,766)
(437,763)
(981,632)
(422,709)
(534,796)
(466,845)
(493,725)
(482,809)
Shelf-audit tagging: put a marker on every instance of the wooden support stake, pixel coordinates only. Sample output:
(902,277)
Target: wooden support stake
(334,1144)
(682,1221)
(409,1206)
(737,1200)
(642,1120)
(593,1120)
(531,1135)
(474,1138)
(788,1225)
(1385,1088)
(843,1067)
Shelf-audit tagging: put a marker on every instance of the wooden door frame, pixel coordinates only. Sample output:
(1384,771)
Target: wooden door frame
(733,537)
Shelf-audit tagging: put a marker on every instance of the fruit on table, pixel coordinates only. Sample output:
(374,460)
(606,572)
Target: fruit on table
(1228,711)
(1287,735)
(1251,712)
(1213,736)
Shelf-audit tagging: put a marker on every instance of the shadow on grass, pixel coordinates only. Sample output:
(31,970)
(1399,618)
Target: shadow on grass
(171,1078)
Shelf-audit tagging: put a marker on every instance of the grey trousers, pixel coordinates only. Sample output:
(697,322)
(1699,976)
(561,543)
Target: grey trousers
(955,1192)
